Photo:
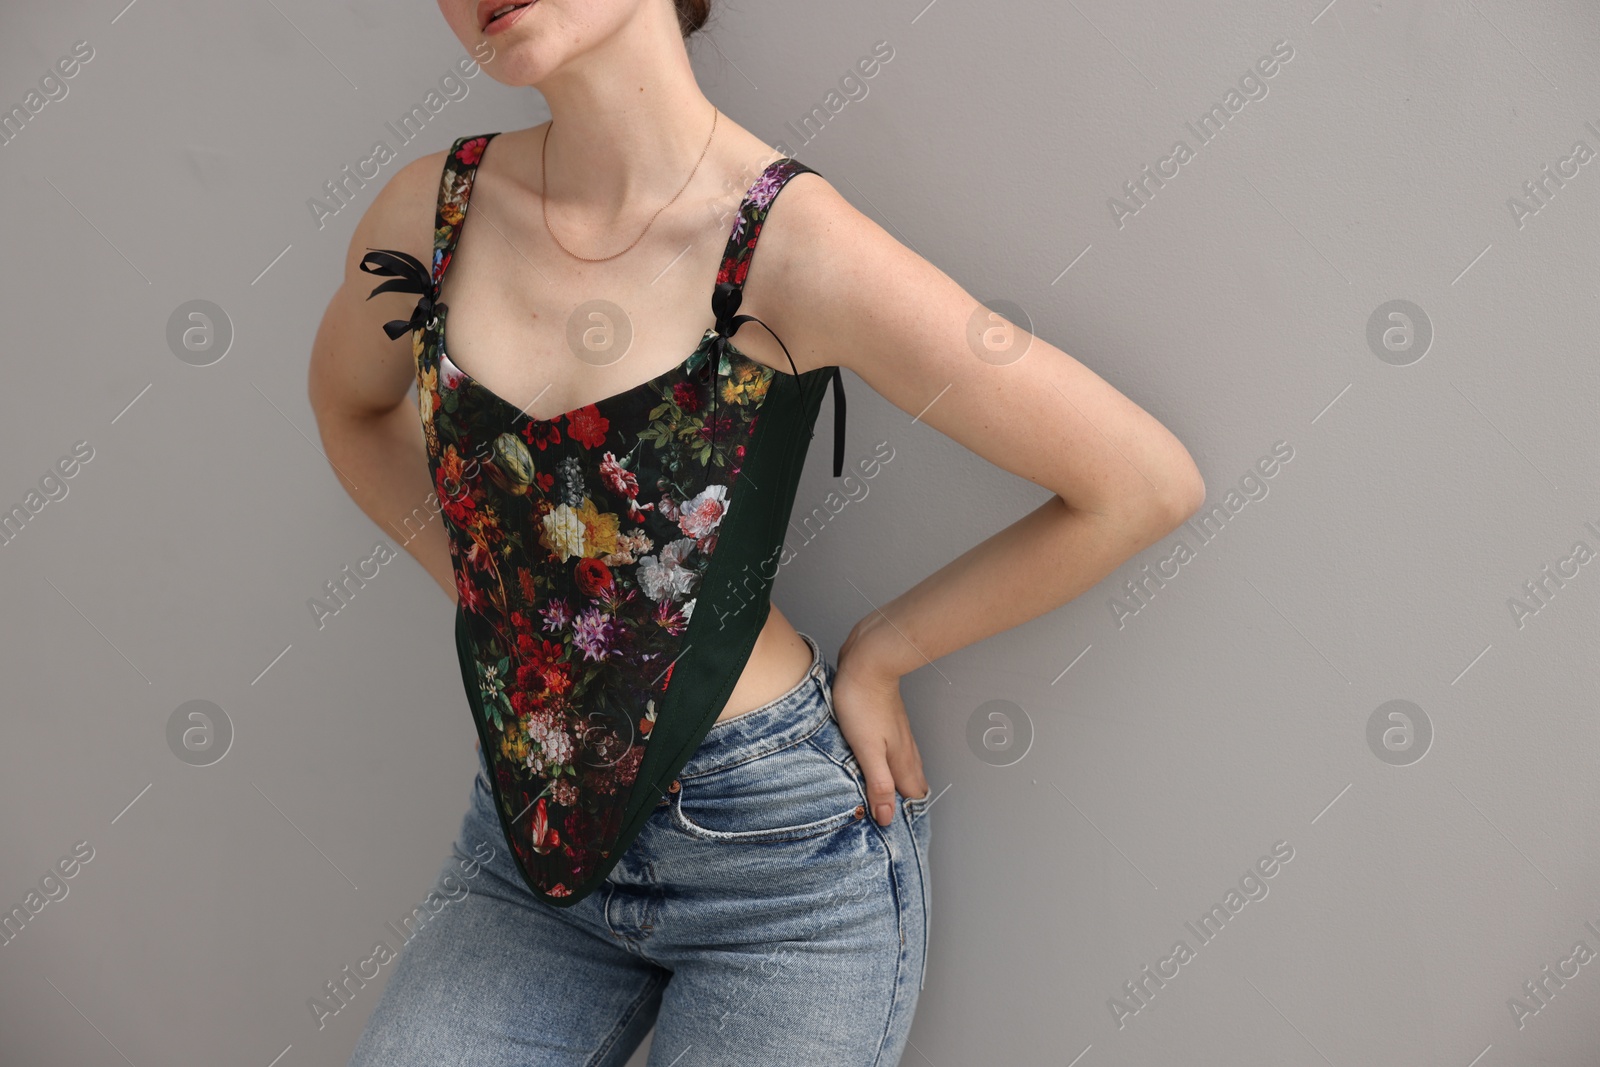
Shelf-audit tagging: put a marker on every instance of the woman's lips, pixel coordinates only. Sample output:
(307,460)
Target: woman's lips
(506,21)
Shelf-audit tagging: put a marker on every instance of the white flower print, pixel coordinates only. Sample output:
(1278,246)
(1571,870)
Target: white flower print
(667,578)
(563,532)
(700,517)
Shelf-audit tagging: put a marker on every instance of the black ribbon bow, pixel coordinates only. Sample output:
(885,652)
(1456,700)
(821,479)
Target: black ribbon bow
(725,301)
(410,276)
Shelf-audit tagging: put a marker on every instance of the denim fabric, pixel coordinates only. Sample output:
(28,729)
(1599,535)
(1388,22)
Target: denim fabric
(761,917)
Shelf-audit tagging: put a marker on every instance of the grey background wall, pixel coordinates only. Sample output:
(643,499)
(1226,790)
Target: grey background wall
(1433,856)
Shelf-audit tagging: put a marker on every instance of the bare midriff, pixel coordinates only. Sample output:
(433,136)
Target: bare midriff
(776,665)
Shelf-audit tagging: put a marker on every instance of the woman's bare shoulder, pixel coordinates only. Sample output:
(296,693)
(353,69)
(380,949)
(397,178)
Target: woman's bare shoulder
(809,234)
(401,216)
(809,219)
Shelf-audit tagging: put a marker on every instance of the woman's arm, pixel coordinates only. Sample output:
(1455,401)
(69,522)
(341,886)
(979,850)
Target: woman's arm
(840,290)
(358,380)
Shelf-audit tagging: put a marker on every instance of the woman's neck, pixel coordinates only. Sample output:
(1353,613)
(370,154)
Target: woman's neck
(629,121)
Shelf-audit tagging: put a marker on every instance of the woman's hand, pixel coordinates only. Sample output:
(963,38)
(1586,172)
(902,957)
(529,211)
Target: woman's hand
(872,717)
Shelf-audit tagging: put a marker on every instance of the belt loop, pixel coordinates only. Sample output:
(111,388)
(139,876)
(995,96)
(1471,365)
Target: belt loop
(817,670)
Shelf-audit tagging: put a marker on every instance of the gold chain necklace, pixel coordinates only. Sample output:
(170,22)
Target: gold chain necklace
(544,200)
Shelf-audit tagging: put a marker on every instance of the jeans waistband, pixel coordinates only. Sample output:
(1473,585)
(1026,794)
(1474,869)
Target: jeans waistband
(791,718)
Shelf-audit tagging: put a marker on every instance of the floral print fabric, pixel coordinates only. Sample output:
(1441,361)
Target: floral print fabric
(579,544)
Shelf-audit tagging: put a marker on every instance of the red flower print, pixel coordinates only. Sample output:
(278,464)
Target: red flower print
(444,265)
(588,427)
(579,825)
(523,702)
(480,558)
(600,782)
(686,396)
(544,835)
(723,426)
(472,151)
(618,478)
(628,767)
(468,593)
(558,678)
(458,505)
(593,578)
(670,619)
(540,663)
(744,269)
(542,439)
(544,481)
(528,677)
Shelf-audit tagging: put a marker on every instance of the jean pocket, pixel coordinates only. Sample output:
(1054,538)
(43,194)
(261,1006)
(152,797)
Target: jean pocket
(793,794)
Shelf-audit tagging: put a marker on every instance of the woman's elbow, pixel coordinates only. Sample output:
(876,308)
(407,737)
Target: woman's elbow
(1162,500)
(1185,494)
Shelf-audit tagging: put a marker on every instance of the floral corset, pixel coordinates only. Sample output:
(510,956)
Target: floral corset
(613,563)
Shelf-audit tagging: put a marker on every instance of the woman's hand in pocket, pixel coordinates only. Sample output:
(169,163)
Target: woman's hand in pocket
(872,717)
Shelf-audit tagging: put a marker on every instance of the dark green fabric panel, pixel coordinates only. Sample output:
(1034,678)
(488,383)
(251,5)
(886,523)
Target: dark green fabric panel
(734,599)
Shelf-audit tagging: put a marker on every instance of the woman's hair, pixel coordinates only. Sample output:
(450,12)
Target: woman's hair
(692,14)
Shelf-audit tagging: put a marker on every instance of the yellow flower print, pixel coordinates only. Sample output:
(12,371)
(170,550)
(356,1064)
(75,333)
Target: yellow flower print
(753,381)
(515,746)
(428,400)
(599,531)
(451,466)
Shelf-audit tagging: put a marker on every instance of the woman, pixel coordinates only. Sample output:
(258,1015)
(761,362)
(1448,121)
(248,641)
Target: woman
(686,814)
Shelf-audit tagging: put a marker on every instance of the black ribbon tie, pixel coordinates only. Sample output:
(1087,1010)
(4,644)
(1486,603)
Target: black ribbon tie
(410,276)
(725,301)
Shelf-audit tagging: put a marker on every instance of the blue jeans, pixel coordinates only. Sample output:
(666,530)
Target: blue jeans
(761,917)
